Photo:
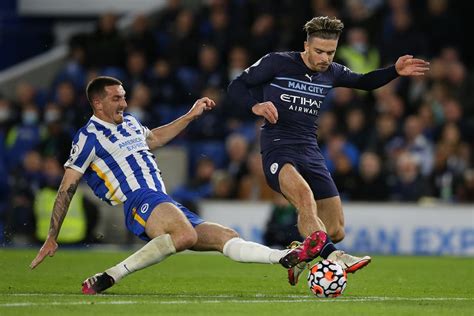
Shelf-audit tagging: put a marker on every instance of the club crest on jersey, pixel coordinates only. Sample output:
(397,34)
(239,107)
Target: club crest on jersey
(74,152)
(144,208)
(274,168)
(133,127)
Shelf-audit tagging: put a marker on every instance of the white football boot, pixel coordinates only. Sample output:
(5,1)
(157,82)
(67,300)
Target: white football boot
(349,263)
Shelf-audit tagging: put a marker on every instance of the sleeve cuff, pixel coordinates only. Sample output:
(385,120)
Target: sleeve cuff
(66,165)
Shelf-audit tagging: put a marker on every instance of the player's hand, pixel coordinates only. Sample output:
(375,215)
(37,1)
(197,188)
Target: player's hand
(49,249)
(267,110)
(201,105)
(406,65)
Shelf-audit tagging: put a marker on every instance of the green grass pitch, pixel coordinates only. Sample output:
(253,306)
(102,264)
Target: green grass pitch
(208,284)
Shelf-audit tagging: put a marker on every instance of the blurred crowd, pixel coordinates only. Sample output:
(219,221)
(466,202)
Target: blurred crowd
(407,141)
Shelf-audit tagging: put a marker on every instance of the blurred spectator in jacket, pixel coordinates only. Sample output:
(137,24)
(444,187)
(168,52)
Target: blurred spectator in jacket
(139,104)
(451,160)
(223,185)
(136,67)
(407,184)
(237,148)
(357,131)
(358,54)
(25,181)
(106,46)
(253,185)
(338,144)
(24,136)
(55,134)
(140,38)
(401,37)
(416,143)
(371,183)
(344,175)
(165,86)
(281,227)
(465,192)
(199,187)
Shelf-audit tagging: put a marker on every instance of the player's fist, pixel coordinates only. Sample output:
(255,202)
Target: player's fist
(201,105)
(267,110)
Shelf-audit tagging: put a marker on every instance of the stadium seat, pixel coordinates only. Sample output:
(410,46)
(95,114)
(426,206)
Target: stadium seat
(247,129)
(212,149)
(41,97)
(74,73)
(167,113)
(187,76)
(115,72)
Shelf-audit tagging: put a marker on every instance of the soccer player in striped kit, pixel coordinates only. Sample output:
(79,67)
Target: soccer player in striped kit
(113,153)
(294,86)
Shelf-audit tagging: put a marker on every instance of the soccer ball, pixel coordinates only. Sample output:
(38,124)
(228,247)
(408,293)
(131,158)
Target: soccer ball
(327,279)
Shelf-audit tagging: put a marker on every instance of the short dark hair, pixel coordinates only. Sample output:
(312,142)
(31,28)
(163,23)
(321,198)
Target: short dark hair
(323,27)
(96,86)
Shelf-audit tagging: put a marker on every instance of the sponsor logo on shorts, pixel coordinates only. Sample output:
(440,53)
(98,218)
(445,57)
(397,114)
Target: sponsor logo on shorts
(274,168)
(144,208)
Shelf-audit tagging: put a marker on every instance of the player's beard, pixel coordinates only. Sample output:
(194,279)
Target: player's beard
(322,67)
(319,66)
(118,118)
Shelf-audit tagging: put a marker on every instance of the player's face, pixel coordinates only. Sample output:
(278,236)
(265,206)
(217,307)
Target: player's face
(113,104)
(319,53)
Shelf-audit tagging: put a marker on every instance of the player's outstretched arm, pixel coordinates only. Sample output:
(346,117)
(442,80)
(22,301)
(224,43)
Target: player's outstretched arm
(406,65)
(161,135)
(66,191)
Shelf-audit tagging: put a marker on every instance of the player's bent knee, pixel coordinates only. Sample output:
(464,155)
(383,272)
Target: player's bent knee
(225,234)
(229,233)
(184,239)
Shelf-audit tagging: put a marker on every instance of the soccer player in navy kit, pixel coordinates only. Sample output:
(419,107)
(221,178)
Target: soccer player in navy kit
(113,153)
(294,86)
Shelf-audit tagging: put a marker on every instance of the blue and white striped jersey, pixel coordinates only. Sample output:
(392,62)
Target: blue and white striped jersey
(115,159)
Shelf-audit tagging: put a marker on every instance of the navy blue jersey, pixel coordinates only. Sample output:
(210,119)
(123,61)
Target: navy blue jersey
(298,93)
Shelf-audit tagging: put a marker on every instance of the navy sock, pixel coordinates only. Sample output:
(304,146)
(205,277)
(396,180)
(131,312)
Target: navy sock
(328,248)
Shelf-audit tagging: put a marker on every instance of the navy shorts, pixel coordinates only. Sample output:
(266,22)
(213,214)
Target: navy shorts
(141,203)
(305,160)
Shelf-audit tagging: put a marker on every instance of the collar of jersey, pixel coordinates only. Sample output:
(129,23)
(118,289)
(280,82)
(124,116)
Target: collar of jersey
(102,122)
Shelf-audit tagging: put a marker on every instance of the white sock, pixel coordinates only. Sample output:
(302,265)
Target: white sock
(240,250)
(154,251)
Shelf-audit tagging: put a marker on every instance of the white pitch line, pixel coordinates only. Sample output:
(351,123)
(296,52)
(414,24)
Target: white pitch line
(66,303)
(237,297)
(237,301)
(227,296)
(158,295)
